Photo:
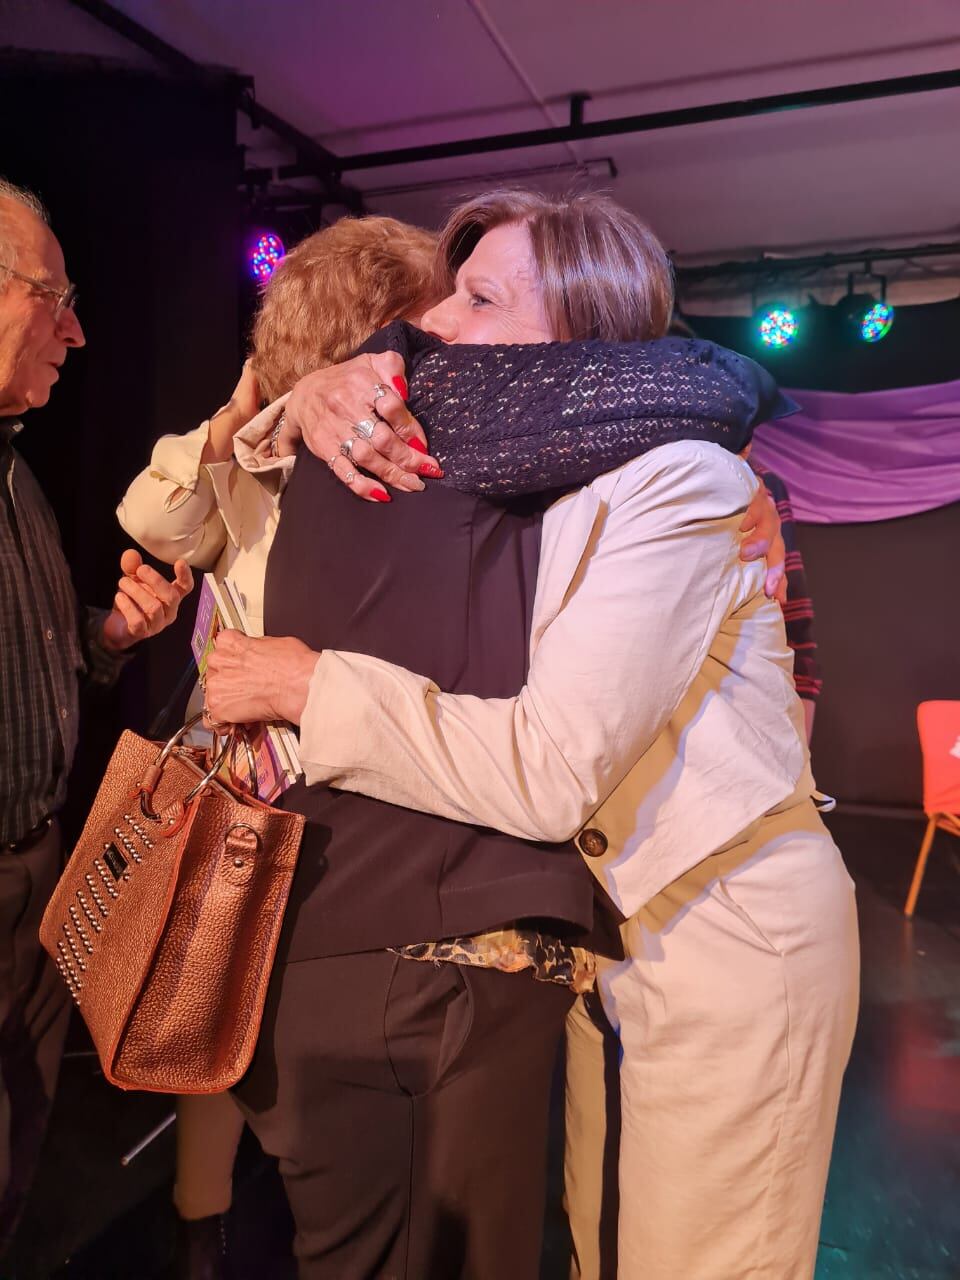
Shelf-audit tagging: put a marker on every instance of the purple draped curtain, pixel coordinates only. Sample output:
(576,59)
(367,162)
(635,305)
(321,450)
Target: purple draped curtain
(849,459)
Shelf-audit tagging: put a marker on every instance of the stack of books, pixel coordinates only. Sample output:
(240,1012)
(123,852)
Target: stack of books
(274,746)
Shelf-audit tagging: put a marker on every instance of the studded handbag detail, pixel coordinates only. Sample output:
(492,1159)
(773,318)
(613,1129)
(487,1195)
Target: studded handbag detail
(165,922)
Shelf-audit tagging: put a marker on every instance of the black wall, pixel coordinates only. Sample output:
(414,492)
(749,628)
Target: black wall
(139,174)
(885,594)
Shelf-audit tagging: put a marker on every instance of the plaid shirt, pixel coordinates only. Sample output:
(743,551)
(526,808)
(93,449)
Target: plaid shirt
(798,611)
(47,643)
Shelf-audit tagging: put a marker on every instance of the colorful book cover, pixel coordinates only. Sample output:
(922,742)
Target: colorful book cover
(206,626)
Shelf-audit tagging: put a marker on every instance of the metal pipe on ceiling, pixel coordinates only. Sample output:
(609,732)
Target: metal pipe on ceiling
(597,167)
(579,131)
(485,18)
(814,262)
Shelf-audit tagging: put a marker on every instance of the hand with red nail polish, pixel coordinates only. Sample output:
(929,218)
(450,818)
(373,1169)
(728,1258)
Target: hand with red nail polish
(367,389)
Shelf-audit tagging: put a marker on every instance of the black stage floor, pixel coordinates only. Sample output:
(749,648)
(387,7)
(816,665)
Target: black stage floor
(893,1202)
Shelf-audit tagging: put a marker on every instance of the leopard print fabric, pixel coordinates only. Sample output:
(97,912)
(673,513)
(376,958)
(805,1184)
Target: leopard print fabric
(511,951)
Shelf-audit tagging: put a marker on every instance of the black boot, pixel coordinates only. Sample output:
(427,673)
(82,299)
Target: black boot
(202,1248)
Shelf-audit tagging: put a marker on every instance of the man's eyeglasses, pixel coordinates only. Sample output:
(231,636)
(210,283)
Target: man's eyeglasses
(66,299)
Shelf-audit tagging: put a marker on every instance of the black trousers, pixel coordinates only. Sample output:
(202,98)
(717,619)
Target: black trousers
(34,1012)
(407,1103)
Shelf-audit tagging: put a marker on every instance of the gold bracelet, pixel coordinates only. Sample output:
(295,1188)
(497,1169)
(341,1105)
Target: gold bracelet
(275,434)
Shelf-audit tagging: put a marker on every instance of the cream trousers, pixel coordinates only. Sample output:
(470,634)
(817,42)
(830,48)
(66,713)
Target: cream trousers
(735,1011)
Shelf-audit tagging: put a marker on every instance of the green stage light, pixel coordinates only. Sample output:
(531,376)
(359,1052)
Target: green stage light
(876,322)
(778,327)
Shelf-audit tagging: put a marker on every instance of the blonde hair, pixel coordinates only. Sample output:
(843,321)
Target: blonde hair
(333,290)
(603,273)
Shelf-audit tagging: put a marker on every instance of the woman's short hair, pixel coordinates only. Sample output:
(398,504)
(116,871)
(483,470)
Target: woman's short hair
(333,290)
(603,273)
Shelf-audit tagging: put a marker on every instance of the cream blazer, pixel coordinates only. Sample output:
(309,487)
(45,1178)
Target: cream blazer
(219,516)
(659,719)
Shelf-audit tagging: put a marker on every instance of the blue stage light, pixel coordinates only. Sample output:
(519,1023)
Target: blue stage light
(264,254)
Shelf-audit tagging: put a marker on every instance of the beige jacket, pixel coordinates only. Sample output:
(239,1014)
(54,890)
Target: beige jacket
(659,719)
(219,516)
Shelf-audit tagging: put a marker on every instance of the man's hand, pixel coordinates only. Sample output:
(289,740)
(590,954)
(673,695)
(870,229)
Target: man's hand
(250,680)
(145,602)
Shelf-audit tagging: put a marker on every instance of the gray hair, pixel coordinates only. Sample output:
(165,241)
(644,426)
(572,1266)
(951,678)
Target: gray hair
(21,196)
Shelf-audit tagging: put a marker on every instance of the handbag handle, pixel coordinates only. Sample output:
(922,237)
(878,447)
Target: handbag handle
(151,779)
(237,734)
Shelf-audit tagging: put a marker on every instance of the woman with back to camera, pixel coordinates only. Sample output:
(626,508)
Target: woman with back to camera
(193,502)
(330,292)
(657,720)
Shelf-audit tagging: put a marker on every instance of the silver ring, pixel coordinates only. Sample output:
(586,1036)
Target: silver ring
(379,391)
(365,428)
(216,725)
(347,449)
(332,459)
(349,477)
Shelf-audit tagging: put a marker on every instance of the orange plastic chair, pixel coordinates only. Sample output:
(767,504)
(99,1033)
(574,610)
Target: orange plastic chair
(939,727)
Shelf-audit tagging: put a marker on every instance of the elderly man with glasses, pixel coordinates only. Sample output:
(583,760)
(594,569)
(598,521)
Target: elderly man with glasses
(47,643)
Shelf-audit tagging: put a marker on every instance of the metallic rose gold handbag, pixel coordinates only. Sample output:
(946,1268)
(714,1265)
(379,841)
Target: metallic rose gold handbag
(165,923)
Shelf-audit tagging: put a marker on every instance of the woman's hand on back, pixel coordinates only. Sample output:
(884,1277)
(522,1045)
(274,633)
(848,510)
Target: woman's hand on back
(762,524)
(360,405)
(243,405)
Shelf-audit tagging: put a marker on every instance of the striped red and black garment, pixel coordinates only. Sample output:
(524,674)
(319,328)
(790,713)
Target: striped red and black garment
(798,611)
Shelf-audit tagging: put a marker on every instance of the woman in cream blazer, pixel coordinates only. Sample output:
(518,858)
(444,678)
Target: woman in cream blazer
(660,727)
